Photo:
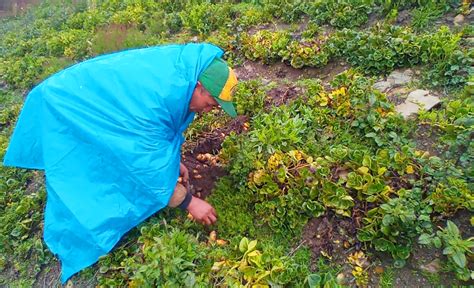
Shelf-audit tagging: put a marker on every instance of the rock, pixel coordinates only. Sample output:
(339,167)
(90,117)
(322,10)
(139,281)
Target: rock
(424,98)
(266,81)
(407,109)
(458,19)
(397,78)
(433,267)
(416,100)
(382,86)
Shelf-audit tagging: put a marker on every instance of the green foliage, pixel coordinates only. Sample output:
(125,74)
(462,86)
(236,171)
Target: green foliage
(169,258)
(233,205)
(256,268)
(247,15)
(393,226)
(384,48)
(455,248)
(331,150)
(118,37)
(283,160)
(455,121)
(325,276)
(265,45)
(249,97)
(271,46)
(424,15)
(22,197)
(341,14)
(164,23)
(452,196)
(21,72)
(288,11)
(386,279)
(205,17)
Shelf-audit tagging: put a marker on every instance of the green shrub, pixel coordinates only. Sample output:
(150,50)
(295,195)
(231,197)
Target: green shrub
(205,17)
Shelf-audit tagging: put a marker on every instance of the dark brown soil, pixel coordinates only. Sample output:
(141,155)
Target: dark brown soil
(203,174)
(331,236)
(426,139)
(281,71)
(282,95)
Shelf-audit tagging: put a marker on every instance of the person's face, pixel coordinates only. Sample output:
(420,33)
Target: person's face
(202,101)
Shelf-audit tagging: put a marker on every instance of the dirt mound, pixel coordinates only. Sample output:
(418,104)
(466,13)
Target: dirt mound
(204,172)
(333,236)
(282,95)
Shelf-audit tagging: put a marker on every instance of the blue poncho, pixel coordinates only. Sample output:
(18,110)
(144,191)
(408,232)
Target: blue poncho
(108,133)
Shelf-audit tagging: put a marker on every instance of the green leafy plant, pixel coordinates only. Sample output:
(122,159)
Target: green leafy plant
(393,226)
(250,97)
(455,248)
(205,17)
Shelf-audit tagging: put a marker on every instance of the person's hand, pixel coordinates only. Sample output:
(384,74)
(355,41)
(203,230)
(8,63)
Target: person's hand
(183,173)
(202,211)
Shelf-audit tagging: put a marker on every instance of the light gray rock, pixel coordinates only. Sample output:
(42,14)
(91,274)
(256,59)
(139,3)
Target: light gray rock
(397,78)
(407,109)
(423,98)
(266,81)
(458,19)
(417,100)
(382,86)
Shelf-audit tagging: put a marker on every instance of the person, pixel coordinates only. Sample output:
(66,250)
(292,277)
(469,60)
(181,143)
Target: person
(220,80)
(108,133)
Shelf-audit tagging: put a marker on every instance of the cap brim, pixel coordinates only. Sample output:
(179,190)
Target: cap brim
(228,107)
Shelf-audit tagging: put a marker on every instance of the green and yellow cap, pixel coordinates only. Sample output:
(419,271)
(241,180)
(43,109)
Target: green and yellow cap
(220,80)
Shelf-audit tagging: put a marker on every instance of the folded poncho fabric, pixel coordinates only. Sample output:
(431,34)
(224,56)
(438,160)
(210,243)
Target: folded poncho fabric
(108,133)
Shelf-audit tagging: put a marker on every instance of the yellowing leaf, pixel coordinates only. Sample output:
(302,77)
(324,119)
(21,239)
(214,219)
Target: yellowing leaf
(381,171)
(363,170)
(410,169)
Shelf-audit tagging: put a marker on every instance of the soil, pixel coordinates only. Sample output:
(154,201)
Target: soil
(334,235)
(203,174)
(426,139)
(280,72)
(404,18)
(281,95)
(49,276)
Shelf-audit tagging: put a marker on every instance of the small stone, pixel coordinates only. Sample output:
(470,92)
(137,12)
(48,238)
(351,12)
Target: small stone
(423,98)
(416,100)
(458,19)
(382,86)
(397,78)
(341,279)
(407,109)
(266,81)
(433,267)
(400,91)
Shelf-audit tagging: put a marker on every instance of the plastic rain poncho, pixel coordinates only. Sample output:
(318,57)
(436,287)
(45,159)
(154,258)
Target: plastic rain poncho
(107,132)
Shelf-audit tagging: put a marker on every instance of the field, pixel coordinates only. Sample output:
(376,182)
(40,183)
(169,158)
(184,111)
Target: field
(329,177)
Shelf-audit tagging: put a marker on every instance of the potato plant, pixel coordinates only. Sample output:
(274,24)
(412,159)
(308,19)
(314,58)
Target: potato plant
(337,150)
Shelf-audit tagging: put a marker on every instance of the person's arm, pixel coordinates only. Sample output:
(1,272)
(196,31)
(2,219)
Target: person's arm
(182,198)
